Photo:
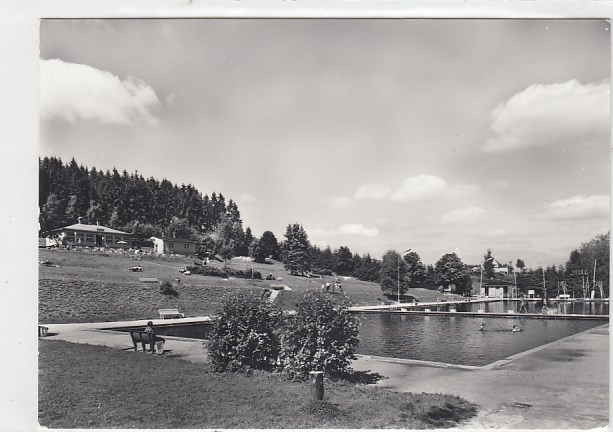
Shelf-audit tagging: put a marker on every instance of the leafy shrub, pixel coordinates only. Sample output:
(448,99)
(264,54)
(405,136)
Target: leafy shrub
(224,272)
(245,336)
(167,289)
(323,272)
(322,335)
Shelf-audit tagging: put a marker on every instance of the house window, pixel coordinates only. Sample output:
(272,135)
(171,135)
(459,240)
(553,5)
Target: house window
(186,245)
(89,237)
(171,245)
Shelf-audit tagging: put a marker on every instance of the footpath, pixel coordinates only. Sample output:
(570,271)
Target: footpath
(561,385)
(96,334)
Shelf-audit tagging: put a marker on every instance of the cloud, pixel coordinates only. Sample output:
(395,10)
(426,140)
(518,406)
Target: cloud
(382,221)
(463,216)
(497,233)
(543,115)
(322,235)
(428,187)
(372,191)
(500,184)
(577,208)
(340,202)
(70,92)
(358,229)
(418,188)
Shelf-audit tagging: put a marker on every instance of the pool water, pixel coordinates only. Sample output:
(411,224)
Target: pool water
(457,340)
(577,307)
(447,338)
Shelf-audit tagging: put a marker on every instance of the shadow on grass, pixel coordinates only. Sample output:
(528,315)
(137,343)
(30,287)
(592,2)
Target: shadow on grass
(440,411)
(362,377)
(323,410)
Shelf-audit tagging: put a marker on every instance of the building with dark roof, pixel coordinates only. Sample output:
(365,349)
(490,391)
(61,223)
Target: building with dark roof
(81,234)
(498,288)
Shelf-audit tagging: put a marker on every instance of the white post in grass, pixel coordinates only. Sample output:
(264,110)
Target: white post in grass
(316,379)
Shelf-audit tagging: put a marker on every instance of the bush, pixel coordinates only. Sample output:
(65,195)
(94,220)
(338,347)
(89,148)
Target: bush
(322,335)
(167,289)
(323,272)
(224,272)
(245,336)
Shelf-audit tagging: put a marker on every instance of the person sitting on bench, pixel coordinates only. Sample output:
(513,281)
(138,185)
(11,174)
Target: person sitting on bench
(159,342)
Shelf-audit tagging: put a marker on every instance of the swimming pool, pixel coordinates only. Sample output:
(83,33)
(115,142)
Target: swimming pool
(457,340)
(558,307)
(445,339)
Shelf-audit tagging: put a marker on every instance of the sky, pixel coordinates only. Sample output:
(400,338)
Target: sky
(434,135)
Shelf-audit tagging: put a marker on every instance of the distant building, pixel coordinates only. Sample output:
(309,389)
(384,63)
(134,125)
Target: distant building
(171,245)
(81,234)
(498,288)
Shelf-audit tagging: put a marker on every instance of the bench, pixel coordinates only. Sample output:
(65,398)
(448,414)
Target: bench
(149,280)
(170,313)
(144,338)
(43,331)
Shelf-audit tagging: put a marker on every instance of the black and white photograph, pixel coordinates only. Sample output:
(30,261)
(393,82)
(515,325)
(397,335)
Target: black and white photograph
(323,223)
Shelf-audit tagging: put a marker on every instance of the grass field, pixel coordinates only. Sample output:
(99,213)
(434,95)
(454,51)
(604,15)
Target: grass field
(85,386)
(97,287)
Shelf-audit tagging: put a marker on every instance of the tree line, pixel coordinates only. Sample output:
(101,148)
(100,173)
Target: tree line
(396,273)
(145,207)
(149,207)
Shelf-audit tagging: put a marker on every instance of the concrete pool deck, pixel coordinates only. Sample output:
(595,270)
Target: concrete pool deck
(561,385)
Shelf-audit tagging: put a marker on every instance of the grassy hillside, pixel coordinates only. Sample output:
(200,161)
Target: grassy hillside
(96,286)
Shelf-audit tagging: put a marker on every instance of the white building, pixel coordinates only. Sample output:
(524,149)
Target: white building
(171,245)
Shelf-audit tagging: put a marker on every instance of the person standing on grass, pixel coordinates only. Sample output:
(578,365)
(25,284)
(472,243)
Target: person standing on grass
(159,342)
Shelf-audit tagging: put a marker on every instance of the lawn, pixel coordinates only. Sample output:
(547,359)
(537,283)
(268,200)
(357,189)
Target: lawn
(98,287)
(85,386)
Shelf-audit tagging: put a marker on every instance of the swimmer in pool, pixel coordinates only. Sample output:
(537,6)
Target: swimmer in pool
(516,329)
(482,328)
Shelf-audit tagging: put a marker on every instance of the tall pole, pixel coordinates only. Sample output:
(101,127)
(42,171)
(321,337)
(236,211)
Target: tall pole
(398,271)
(544,286)
(481,279)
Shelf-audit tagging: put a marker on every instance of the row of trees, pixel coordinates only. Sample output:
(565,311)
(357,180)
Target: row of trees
(586,267)
(393,270)
(300,257)
(68,191)
(148,207)
(145,207)
(396,272)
